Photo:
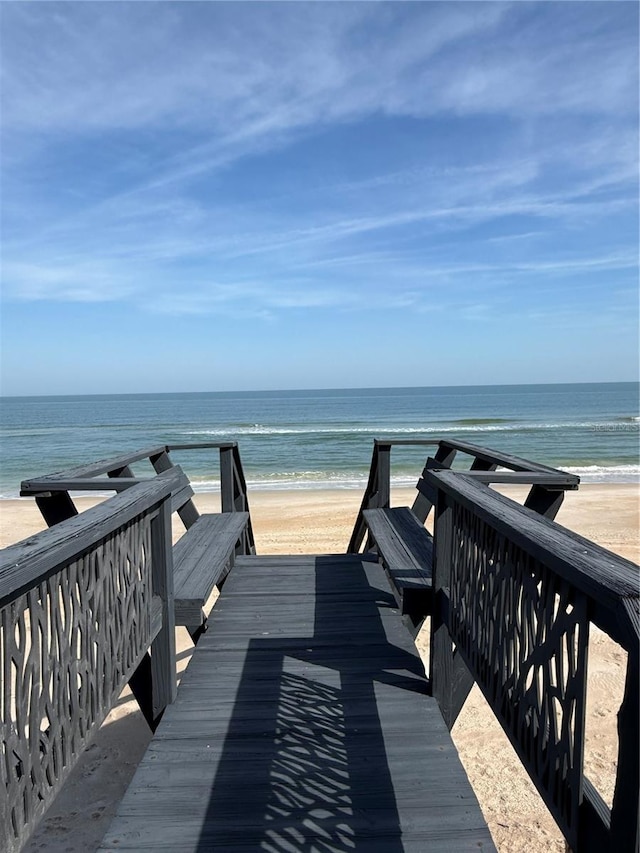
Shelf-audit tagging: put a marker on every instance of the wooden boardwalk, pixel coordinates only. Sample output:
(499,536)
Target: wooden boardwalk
(302,724)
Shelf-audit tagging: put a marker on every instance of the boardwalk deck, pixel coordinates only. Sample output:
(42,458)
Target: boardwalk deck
(302,724)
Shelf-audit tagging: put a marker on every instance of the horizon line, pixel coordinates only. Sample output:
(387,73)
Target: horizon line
(165,393)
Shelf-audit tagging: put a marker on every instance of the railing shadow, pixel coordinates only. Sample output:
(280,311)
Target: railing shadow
(304,764)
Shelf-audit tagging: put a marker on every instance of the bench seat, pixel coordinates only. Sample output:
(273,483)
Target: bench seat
(406,549)
(202,558)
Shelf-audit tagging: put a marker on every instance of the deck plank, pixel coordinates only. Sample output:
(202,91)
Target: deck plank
(302,723)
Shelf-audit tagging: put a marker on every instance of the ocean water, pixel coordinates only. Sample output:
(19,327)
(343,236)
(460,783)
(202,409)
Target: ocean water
(323,439)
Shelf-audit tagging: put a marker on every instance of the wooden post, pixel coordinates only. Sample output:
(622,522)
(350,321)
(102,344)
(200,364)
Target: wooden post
(163,648)
(441,656)
(122,471)
(226,479)
(384,475)
(444,457)
(188,512)
(625,819)
(56,507)
(544,501)
(483,465)
(161,462)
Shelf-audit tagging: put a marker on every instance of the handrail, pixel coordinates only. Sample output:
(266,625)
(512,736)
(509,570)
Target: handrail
(484,462)
(515,594)
(89,470)
(377,493)
(80,605)
(233,486)
(87,477)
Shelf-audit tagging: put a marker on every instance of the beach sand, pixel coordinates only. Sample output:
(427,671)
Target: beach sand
(321,522)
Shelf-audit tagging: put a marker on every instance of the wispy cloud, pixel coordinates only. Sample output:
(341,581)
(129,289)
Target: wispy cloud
(137,138)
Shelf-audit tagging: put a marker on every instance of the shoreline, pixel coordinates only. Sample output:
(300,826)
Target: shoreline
(321,520)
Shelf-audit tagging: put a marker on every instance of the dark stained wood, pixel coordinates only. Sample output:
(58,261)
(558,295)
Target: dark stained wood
(506,460)
(606,578)
(56,507)
(544,501)
(163,647)
(226,480)
(82,484)
(26,562)
(181,501)
(514,595)
(441,655)
(303,722)
(625,820)
(406,551)
(406,545)
(423,504)
(376,494)
(86,471)
(484,463)
(121,471)
(202,557)
(80,605)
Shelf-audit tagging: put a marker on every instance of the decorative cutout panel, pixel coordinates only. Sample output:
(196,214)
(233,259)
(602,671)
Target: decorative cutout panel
(523,632)
(67,647)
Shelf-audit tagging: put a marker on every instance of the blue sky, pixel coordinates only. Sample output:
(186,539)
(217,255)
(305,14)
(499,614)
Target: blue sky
(229,196)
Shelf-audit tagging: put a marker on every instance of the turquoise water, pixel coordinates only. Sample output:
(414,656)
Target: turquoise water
(316,439)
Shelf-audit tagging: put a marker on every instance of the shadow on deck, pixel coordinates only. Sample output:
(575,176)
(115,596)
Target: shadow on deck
(302,724)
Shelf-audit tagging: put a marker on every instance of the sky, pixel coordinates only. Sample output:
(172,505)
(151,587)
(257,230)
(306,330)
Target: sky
(203,196)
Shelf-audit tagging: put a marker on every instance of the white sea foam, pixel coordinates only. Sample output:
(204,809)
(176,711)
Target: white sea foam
(309,480)
(606,473)
(355,480)
(389,430)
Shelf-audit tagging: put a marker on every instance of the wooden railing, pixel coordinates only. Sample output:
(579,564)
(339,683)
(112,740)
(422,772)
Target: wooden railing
(233,486)
(51,491)
(547,484)
(514,597)
(80,605)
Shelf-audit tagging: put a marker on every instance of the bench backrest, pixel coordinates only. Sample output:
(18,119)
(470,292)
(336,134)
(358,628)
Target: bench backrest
(80,605)
(514,596)
(52,491)
(546,494)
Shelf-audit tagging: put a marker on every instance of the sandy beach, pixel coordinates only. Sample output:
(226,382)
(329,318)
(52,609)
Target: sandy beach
(321,522)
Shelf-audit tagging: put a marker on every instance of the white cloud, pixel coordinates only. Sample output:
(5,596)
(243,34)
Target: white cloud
(250,72)
(78,281)
(190,89)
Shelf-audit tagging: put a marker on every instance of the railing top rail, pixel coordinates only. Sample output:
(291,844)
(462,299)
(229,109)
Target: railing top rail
(81,477)
(525,478)
(93,469)
(610,581)
(38,485)
(418,442)
(28,562)
(507,460)
(203,445)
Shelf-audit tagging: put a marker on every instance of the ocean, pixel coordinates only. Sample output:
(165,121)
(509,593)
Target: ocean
(323,439)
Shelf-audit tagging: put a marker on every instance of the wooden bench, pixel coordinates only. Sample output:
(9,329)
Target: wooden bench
(204,554)
(405,546)
(81,605)
(202,559)
(406,550)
